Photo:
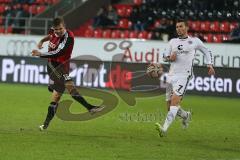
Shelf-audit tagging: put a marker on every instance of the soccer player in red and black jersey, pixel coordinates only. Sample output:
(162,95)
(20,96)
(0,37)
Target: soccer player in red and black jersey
(61,42)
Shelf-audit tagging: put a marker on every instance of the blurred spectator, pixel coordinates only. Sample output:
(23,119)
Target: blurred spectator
(141,18)
(135,15)
(166,28)
(156,36)
(171,29)
(112,16)
(19,21)
(163,26)
(106,17)
(235,34)
(8,14)
(98,18)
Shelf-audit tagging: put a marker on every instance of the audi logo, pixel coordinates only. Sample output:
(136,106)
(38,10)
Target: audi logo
(20,47)
(123,45)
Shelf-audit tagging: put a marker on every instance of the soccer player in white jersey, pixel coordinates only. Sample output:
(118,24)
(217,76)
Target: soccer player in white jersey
(180,53)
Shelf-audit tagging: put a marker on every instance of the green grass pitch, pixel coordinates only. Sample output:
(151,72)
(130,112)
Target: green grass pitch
(126,133)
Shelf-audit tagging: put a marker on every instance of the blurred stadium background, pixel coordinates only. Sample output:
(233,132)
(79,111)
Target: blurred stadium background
(114,42)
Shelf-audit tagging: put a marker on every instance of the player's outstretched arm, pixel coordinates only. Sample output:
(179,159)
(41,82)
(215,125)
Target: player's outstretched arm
(44,39)
(171,58)
(36,53)
(62,47)
(208,56)
(211,70)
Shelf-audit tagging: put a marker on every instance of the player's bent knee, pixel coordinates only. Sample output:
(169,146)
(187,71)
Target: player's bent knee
(56,96)
(175,100)
(70,86)
(74,92)
(72,89)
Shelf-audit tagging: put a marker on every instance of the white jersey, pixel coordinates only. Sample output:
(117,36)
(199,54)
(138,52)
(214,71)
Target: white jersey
(185,49)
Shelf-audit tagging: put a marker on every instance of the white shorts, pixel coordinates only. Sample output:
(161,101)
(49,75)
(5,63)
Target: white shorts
(177,85)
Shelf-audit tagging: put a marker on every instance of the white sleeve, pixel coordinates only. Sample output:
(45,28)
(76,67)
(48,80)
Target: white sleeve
(207,53)
(167,51)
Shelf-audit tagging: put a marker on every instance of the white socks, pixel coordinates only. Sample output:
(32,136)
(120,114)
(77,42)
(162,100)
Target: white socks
(170,117)
(181,113)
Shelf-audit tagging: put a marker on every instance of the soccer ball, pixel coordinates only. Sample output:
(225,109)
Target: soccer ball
(154,70)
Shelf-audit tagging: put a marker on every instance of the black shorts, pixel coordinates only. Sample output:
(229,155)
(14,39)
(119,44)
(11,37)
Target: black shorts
(58,76)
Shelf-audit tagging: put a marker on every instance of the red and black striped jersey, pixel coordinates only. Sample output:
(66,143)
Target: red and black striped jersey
(60,48)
